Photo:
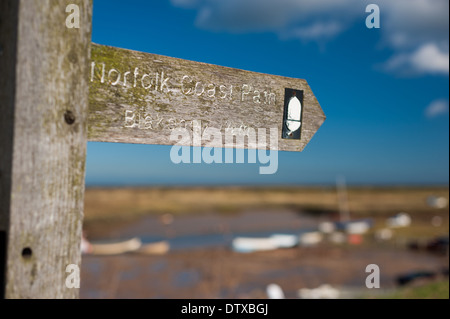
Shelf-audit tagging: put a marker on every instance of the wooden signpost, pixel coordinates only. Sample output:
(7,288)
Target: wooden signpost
(57,91)
(139,97)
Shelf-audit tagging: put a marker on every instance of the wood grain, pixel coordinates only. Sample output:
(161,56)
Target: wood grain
(44,93)
(138,97)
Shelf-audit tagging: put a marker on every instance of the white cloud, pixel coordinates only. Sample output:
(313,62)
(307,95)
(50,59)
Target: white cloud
(436,108)
(428,58)
(407,24)
(417,30)
(317,31)
(268,15)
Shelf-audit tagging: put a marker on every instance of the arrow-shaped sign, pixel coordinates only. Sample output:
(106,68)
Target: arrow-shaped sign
(142,98)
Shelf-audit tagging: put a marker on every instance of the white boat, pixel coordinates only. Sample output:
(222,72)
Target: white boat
(322,292)
(357,227)
(310,239)
(399,221)
(251,244)
(285,240)
(158,248)
(115,248)
(327,227)
(274,291)
(337,238)
(248,245)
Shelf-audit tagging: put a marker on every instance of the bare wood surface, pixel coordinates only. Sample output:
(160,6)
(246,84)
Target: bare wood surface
(139,97)
(44,71)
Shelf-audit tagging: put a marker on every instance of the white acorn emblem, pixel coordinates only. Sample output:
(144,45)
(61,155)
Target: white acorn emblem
(293,119)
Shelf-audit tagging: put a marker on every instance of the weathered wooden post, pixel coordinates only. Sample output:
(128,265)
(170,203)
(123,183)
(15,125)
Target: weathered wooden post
(44,69)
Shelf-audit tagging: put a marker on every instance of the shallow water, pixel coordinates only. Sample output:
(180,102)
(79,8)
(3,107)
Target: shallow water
(216,230)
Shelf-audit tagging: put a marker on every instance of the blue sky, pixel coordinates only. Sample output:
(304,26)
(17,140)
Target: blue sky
(384,91)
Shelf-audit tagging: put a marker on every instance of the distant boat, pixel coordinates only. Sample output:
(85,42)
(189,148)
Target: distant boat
(399,221)
(285,241)
(115,248)
(158,248)
(248,245)
(437,245)
(310,238)
(322,292)
(252,244)
(126,246)
(415,275)
(359,227)
(274,291)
